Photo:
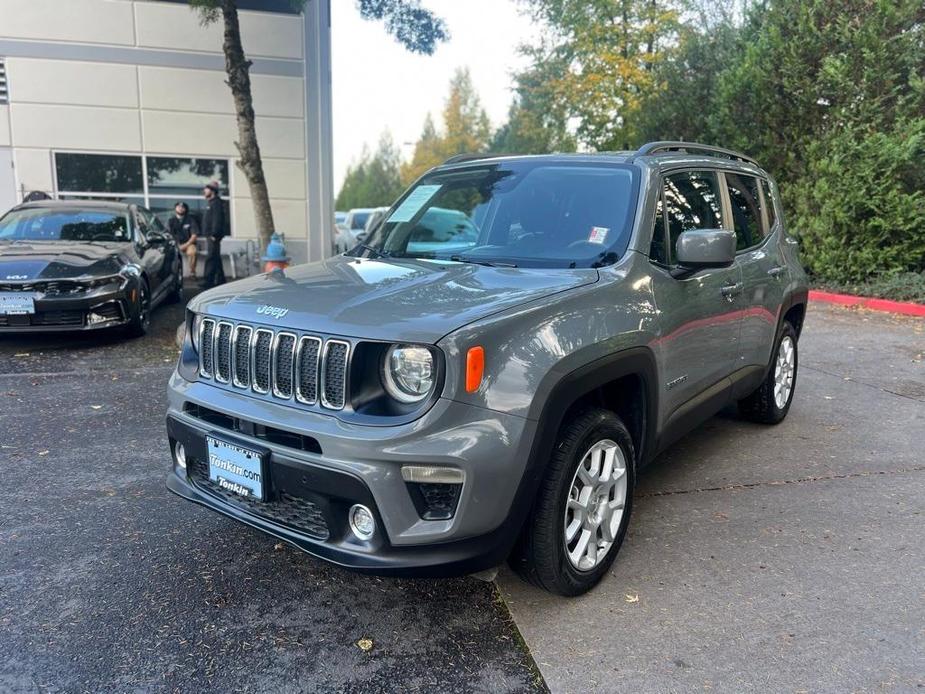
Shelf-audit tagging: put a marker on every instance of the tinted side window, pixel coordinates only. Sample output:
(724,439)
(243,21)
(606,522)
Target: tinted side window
(746,210)
(658,252)
(769,204)
(692,201)
(141,225)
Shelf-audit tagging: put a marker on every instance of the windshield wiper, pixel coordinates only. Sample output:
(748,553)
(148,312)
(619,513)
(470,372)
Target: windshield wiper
(376,251)
(489,263)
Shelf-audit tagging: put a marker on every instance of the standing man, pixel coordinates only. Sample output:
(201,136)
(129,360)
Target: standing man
(213,227)
(185,229)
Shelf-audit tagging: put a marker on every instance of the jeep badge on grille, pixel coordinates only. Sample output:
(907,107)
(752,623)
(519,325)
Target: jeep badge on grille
(274,311)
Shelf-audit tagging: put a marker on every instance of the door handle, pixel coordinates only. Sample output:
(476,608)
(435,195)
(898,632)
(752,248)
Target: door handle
(776,272)
(730,291)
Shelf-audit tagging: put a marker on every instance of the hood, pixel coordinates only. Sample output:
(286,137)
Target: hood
(393,299)
(53,260)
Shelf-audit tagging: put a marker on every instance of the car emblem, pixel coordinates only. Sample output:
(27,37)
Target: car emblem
(17,277)
(274,311)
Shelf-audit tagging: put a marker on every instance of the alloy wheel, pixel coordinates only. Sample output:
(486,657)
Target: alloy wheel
(144,306)
(783,372)
(594,510)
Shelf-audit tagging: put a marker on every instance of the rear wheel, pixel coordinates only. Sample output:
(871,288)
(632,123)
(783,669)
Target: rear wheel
(583,507)
(770,402)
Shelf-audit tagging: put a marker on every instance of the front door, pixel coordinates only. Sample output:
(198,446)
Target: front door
(699,315)
(151,251)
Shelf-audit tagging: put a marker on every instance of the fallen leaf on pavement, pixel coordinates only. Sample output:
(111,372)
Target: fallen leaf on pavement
(632,598)
(43,452)
(278,546)
(365,645)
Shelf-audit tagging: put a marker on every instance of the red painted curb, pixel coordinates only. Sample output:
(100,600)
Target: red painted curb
(902,307)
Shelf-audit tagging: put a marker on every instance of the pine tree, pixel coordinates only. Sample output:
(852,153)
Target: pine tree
(466,129)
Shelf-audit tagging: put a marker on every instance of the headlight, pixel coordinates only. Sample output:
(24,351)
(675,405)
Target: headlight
(195,325)
(104,281)
(408,373)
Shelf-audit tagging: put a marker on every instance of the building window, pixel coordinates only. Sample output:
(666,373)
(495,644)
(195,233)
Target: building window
(4,83)
(99,173)
(157,183)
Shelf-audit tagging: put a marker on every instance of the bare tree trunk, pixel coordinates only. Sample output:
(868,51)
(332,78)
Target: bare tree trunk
(238,69)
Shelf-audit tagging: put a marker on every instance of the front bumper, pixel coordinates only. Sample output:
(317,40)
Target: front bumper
(362,464)
(73,313)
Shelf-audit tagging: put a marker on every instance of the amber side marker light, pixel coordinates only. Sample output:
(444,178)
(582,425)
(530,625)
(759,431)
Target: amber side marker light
(475,367)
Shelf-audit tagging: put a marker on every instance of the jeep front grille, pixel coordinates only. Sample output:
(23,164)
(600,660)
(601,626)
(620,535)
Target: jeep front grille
(307,370)
(281,364)
(263,344)
(242,356)
(206,347)
(283,359)
(334,374)
(223,353)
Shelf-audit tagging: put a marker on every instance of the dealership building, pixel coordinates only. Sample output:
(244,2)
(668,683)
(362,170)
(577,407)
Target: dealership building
(126,100)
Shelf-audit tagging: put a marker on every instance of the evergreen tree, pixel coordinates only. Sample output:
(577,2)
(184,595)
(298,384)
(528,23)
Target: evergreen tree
(466,129)
(374,181)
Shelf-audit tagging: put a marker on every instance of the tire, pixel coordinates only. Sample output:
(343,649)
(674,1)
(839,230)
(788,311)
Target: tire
(545,556)
(770,402)
(141,312)
(176,293)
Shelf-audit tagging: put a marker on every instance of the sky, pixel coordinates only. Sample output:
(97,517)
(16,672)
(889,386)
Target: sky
(377,85)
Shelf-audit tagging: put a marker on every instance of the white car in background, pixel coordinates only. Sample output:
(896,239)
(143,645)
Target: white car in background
(354,229)
(375,219)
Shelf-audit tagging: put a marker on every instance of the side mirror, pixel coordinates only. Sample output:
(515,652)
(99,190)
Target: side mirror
(700,249)
(156,239)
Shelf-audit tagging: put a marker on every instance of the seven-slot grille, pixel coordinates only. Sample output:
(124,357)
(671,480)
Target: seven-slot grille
(305,368)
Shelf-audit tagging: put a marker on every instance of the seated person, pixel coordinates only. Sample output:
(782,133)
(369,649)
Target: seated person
(185,229)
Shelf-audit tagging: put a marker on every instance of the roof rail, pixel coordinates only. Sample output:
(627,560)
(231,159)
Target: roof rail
(691,148)
(459,158)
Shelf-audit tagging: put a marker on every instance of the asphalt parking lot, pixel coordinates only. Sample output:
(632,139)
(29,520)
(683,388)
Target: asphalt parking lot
(770,559)
(110,583)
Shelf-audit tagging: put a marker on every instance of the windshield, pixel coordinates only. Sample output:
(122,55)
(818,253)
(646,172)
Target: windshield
(514,213)
(44,224)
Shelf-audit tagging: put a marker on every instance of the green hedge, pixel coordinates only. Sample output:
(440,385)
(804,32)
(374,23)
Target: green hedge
(860,208)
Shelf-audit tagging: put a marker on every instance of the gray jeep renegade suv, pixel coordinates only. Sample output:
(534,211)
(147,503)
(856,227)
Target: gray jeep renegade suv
(484,377)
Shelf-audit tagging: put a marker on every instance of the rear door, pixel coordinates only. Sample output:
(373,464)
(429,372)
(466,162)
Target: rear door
(699,315)
(764,272)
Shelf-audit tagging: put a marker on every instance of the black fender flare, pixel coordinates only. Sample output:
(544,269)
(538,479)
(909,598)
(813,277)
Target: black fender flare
(791,299)
(636,361)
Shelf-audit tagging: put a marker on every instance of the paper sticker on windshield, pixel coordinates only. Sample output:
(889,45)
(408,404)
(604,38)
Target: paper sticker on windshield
(413,203)
(598,235)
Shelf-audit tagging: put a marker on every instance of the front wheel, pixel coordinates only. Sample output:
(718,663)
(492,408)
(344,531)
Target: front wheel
(770,402)
(582,510)
(141,312)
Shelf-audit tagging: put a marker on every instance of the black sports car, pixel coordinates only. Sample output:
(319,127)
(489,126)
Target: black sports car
(84,265)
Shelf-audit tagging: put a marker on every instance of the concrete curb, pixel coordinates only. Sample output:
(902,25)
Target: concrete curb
(905,308)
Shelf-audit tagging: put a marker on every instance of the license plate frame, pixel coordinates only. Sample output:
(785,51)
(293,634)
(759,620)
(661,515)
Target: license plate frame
(236,468)
(17,303)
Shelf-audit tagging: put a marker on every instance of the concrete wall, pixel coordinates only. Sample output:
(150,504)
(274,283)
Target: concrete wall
(138,76)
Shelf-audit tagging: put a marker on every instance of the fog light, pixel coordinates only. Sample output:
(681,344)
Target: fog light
(96,318)
(362,522)
(180,454)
